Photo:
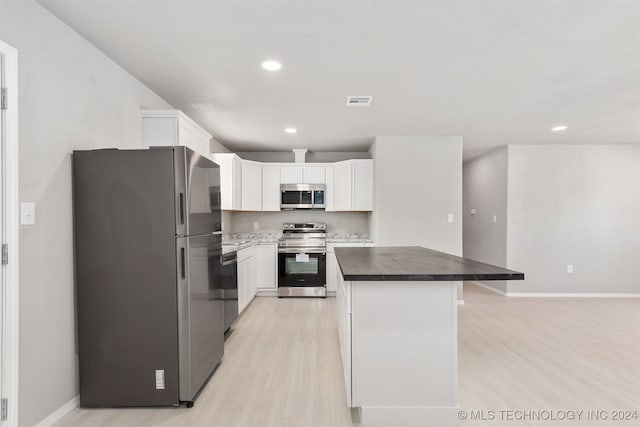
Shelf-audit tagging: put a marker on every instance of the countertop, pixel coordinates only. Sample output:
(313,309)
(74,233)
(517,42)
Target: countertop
(348,238)
(414,263)
(238,241)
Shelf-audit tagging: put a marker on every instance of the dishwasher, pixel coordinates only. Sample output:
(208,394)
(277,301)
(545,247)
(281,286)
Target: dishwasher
(229,263)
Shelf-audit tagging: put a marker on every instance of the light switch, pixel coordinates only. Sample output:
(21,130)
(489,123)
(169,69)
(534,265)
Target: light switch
(450,218)
(569,268)
(27,213)
(495,219)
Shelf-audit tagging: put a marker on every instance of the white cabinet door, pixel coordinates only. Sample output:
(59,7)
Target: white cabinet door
(291,175)
(313,175)
(243,281)
(362,185)
(332,272)
(173,128)
(343,305)
(328,195)
(270,188)
(265,257)
(251,276)
(246,278)
(230,180)
(342,186)
(251,186)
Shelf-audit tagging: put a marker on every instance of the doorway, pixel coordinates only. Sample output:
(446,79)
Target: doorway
(9,295)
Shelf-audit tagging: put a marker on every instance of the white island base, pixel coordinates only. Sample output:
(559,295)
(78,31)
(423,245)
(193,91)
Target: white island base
(398,342)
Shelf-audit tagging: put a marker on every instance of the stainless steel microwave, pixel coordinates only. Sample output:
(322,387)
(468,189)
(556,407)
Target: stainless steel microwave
(302,196)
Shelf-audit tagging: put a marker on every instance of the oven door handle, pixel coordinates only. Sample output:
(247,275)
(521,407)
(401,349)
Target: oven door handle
(298,251)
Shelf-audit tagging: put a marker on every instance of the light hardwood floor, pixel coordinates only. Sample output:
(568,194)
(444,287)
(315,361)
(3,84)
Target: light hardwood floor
(282,365)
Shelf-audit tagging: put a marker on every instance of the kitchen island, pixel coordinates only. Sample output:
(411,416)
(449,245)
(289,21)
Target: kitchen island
(397,321)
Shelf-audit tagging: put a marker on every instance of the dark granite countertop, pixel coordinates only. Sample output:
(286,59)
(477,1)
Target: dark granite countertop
(414,263)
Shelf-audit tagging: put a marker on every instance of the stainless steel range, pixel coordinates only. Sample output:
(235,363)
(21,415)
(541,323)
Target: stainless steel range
(302,253)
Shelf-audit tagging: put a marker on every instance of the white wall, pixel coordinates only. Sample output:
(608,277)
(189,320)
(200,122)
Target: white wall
(337,222)
(484,189)
(71,97)
(417,183)
(579,205)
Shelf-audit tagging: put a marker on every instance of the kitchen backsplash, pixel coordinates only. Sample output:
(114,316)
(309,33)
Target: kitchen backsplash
(337,222)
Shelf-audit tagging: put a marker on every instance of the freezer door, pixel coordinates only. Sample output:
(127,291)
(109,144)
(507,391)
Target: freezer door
(200,311)
(197,194)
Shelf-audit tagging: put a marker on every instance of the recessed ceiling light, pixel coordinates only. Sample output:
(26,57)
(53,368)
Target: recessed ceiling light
(291,130)
(559,128)
(271,65)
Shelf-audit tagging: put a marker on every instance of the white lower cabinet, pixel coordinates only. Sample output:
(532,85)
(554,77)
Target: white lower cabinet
(333,269)
(343,307)
(246,277)
(265,260)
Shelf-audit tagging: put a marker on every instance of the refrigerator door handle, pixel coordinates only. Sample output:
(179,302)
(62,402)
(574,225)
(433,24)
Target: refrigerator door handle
(181,197)
(182,263)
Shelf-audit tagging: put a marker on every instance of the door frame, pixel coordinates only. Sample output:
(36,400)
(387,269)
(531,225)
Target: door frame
(10,224)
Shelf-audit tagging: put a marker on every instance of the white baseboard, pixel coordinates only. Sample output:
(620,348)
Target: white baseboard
(60,413)
(266,293)
(569,295)
(558,294)
(272,293)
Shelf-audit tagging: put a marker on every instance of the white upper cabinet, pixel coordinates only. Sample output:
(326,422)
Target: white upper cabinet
(302,175)
(173,128)
(251,186)
(270,188)
(328,196)
(313,175)
(353,185)
(291,175)
(230,180)
(362,185)
(342,194)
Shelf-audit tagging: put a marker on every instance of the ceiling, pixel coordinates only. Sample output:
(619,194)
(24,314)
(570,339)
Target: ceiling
(495,72)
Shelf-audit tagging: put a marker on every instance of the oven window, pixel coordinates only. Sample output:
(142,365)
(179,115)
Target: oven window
(290,197)
(308,267)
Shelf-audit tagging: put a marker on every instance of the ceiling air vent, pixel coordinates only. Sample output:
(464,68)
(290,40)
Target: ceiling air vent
(359,101)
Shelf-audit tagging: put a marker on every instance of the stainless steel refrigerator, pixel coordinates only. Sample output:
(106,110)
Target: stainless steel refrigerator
(148,237)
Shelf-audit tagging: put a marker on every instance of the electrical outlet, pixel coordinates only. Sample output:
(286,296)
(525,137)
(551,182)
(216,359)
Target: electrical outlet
(256,226)
(450,218)
(570,268)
